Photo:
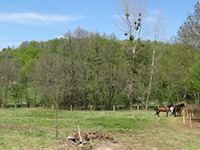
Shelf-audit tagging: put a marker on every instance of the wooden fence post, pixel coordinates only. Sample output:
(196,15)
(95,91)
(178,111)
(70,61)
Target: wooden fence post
(79,133)
(15,106)
(138,107)
(91,107)
(183,111)
(187,111)
(113,107)
(190,121)
(192,109)
(52,107)
(1,105)
(70,107)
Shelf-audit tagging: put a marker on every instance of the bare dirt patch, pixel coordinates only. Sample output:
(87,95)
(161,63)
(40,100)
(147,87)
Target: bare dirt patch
(93,140)
(107,141)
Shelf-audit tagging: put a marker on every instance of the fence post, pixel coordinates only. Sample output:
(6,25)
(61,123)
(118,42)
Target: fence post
(113,107)
(52,107)
(183,111)
(190,121)
(91,107)
(15,106)
(192,111)
(1,105)
(187,111)
(70,107)
(138,107)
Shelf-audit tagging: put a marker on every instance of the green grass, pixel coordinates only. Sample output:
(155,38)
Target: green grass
(33,129)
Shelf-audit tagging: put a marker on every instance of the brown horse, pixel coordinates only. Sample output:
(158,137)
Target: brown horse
(164,109)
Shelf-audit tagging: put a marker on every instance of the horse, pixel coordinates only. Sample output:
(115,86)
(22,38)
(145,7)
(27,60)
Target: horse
(164,109)
(178,108)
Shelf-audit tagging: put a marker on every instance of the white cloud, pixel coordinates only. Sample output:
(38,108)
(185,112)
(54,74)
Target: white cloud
(27,18)
(60,36)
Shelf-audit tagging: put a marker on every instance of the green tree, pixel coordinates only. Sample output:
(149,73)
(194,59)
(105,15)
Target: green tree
(8,73)
(189,31)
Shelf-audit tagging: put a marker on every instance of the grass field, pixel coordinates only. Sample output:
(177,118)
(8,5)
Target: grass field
(33,129)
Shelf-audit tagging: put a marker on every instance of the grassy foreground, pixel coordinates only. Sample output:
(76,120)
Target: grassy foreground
(33,129)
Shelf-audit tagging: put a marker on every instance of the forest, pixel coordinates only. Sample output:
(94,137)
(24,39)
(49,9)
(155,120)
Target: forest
(85,68)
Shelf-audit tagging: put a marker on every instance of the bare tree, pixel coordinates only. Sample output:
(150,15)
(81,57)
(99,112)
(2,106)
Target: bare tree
(133,17)
(158,34)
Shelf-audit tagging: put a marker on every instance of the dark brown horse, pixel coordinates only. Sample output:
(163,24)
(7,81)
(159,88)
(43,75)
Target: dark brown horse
(178,108)
(164,109)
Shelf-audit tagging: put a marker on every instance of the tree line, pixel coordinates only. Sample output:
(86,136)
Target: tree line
(89,68)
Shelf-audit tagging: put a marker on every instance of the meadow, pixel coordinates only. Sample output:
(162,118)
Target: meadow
(26,128)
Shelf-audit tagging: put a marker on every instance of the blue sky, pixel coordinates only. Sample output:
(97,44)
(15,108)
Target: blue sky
(42,20)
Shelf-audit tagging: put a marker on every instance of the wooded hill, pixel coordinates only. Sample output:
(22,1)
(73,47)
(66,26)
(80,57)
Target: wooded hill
(84,68)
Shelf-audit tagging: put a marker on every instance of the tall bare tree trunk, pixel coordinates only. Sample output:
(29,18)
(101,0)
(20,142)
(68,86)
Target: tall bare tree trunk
(158,34)
(133,69)
(133,83)
(150,81)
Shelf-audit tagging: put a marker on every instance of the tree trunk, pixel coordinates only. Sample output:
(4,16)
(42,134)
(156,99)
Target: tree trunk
(6,94)
(86,92)
(195,97)
(184,94)
(71,98)
(21,98)
(152,67)
(143,95)
(35,97)
(26,97)
(93,96)
(133,75)
(97,79)
(86,99)
(177,97)
(112,95)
